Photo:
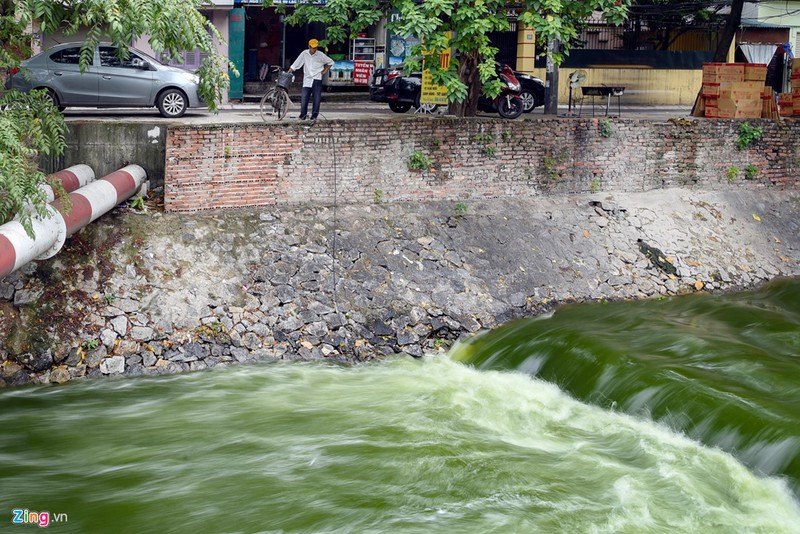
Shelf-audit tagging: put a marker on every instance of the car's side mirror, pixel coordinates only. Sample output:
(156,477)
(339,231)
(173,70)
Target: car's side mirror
(138,63)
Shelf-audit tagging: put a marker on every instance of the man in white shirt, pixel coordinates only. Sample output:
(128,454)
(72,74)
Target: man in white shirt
(315,64)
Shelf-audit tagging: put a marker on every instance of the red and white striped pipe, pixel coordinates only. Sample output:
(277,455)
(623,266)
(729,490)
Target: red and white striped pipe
(93,200)
(88,203)
(71,178)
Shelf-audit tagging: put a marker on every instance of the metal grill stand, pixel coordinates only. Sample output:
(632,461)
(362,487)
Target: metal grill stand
(602,90)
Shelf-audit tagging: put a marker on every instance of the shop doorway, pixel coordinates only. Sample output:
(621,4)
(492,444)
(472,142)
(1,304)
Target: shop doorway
(262,42)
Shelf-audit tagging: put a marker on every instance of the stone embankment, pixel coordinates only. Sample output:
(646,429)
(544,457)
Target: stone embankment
(147,293)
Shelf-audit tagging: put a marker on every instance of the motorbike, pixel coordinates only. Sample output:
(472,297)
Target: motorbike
(508,102)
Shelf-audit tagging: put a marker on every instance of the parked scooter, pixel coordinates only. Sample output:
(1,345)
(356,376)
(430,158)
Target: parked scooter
(508,102)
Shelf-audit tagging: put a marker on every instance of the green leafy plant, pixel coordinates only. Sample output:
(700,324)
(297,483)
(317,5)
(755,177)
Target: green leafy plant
(137,203)
(436,143)
(109,298)
(750,172)
(228,151)
(30,126)
(212,330)
(549,164)
(377,196)
(487,140)
(483,138)
(90,344)
(460,209)
(506,135)
(418,161)
(594,186)
(605,129)
(732,173)
(748,135)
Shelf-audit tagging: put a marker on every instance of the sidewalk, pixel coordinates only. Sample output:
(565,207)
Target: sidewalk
(327,96)
(341,99)
(353,104)
(336,106)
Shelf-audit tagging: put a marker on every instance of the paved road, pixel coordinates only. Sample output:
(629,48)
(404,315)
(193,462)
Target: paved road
(249,112)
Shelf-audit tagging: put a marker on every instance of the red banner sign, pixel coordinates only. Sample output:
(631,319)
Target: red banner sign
(362,70)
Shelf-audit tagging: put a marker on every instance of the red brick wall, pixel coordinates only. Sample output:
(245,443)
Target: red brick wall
(221,166)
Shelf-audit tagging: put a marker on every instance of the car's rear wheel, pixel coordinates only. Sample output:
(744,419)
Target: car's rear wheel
(528,101)
(172,103)
(399,107)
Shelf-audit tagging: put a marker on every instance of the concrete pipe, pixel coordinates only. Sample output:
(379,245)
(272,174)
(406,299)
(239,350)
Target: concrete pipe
(88,203)
(17,248)
(71,178)
(95,199)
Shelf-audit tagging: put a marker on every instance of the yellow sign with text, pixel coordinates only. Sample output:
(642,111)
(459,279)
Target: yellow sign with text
(432,93)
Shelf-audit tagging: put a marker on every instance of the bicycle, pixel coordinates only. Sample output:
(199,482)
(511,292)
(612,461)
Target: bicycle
(276,101)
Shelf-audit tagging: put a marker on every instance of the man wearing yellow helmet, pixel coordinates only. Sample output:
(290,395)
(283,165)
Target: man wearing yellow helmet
(314,64)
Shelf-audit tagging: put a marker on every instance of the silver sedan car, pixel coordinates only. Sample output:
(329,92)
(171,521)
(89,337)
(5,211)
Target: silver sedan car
(110,81)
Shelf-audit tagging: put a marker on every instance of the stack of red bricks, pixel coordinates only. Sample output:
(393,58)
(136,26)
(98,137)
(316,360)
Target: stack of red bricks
(789,103)
(734,90)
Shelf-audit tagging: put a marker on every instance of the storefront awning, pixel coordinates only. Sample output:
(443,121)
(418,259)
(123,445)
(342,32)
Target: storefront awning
(758,53)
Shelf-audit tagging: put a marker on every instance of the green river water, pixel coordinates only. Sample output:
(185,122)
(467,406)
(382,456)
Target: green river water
(679,415)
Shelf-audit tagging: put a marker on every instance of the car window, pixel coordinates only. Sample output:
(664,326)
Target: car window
(109,58)
(146,57)
(71,56)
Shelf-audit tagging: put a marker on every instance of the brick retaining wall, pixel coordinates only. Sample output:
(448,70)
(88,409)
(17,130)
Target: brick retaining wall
(219,166)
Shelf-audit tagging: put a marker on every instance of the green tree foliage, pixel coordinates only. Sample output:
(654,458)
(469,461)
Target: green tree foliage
(343,18)
(469,23)
(30,127)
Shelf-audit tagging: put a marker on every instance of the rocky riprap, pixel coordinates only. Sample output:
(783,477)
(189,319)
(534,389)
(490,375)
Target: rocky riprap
(149,293)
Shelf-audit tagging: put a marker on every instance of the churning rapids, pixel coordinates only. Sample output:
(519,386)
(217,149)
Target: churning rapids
(679,415)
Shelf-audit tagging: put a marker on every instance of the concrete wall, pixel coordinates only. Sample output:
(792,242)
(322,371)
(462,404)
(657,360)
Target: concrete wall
(109,146)
(223,166)
(654,87)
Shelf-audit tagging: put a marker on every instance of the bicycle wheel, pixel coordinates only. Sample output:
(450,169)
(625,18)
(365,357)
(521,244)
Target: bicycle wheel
(281,103)
(266,106)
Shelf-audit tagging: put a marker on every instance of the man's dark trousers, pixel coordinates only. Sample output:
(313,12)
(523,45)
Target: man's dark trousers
(316,90)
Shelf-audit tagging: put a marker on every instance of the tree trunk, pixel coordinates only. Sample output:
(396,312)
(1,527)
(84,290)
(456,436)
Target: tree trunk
(468,73)
(729,31)
(551,91)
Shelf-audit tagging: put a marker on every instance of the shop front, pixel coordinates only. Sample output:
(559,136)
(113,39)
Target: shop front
(267,41)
